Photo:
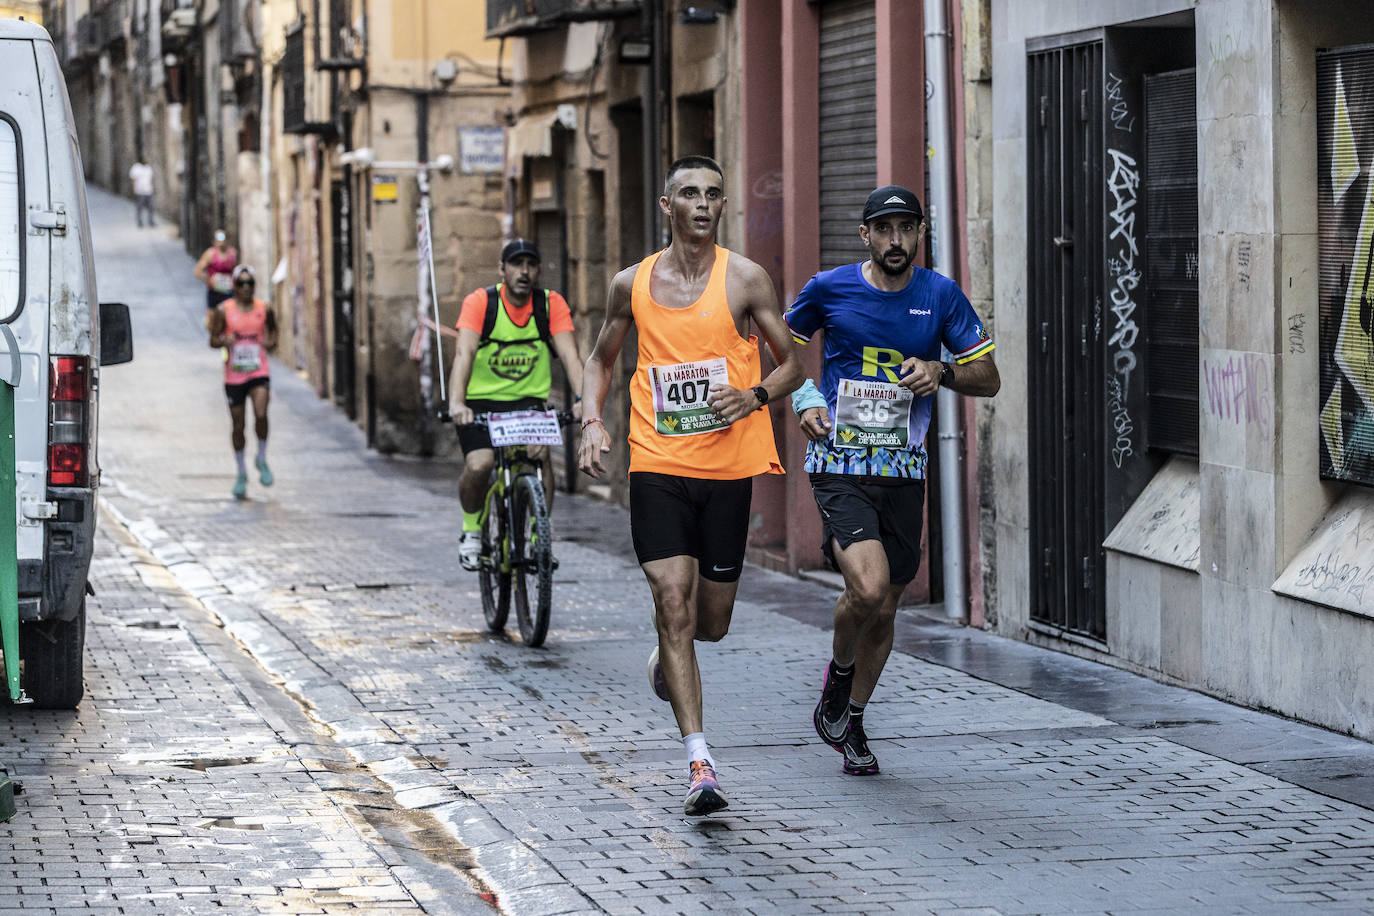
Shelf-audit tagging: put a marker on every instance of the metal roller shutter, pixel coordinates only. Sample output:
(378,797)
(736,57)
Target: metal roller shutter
(848,125)
(1345,226)
(1171,278)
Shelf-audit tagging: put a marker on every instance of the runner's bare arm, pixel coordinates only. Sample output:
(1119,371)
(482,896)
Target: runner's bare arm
(749,285)
(565,345)
(977,377)
(270,338)
(596,375)
(217,327)
(458,409)
(202,265)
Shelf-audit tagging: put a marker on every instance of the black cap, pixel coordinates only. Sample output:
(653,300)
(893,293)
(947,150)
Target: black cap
(516,247)
(892,198)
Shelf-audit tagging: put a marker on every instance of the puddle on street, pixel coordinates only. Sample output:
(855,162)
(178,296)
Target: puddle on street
(421,641)
(496,663)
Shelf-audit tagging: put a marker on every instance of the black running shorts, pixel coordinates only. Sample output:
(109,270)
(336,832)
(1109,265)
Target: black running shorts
(686,516)
(237,394)
(888,509)
(474,436)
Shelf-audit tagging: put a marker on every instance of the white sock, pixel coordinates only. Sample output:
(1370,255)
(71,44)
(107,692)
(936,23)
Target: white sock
(262,449)
(696,748)
(238,459)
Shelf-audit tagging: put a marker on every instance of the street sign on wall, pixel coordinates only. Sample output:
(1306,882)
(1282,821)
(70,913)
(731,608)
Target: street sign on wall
(384,188)
(481,150)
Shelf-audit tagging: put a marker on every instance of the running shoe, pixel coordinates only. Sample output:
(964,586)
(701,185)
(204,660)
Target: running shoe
(470,550)
(265,473)
(656,681)
(704,795)
(832,710)
(858,759)
(240,490)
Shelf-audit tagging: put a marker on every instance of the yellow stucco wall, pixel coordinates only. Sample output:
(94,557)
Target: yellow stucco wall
(410,36)
(31,11)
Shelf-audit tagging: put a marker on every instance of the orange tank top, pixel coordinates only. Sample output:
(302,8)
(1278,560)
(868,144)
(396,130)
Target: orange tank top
(682,351)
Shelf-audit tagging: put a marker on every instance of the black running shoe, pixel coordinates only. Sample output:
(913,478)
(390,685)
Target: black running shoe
(832,710)
(858,759)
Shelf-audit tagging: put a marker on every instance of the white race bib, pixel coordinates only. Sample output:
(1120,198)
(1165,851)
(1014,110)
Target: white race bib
(872,414)
(221,283)
(679,392)
(524,427)
(245,356)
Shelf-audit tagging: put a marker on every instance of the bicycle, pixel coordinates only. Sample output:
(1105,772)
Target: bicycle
(516,559)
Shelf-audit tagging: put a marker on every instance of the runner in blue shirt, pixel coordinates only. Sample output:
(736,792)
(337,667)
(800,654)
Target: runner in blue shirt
(885,320)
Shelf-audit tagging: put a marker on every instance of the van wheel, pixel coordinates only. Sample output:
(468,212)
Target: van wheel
(51,651)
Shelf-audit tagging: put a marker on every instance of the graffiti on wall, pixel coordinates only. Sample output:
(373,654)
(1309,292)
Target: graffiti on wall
(1345,216)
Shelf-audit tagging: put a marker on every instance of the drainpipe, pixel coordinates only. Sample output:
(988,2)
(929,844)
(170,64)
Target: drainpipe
(945,256)
(652,79)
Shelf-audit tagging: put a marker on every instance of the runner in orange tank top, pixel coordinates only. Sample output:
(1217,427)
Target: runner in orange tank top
(698,433)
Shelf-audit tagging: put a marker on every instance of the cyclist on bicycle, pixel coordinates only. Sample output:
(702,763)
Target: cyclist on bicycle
(505,333)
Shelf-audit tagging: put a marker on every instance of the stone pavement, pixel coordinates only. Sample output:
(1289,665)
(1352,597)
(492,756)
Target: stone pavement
(1014,780)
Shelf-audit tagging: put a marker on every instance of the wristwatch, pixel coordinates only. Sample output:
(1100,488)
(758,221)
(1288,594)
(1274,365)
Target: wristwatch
(761,393)
(946,374)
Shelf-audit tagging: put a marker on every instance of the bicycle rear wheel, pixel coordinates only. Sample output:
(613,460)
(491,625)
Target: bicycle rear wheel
(494,572)
(532,560)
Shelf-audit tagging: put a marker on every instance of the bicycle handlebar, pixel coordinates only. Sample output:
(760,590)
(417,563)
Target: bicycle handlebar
(565,417)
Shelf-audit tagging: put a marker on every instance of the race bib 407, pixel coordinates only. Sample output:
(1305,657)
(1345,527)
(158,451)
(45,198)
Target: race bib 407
(680,391)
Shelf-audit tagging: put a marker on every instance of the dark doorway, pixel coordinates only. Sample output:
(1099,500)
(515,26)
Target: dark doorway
(341,210)
(1064,192)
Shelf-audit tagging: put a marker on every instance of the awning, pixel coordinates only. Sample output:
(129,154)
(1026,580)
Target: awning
(531,136)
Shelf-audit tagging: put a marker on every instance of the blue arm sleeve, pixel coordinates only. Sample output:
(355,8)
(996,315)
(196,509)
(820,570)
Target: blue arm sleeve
(806,397)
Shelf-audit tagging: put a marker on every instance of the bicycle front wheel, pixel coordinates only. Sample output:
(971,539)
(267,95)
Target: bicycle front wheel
(494,572)
(532,560)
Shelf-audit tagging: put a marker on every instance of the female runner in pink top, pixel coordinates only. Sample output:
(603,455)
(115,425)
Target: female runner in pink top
(216,270)
(246,327)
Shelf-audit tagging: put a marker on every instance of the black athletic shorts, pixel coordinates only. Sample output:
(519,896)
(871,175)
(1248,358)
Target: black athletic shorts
(686,516)
(474,436)
(237,394)
(887,509)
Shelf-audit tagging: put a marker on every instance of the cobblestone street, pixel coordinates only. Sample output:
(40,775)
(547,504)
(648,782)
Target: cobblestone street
(293,705)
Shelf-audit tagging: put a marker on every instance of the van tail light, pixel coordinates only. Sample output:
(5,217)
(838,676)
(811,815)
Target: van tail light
(70,389)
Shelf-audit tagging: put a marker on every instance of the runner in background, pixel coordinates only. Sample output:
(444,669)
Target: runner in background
(216,269)
(503,363)
(246,328)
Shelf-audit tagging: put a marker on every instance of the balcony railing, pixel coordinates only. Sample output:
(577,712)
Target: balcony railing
(522,17)
(300,88)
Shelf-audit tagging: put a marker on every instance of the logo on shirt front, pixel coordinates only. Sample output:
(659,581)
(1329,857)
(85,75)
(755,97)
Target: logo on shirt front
(881,360)
(515,360)
(921,312)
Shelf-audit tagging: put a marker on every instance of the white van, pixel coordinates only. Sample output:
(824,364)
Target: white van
(48,301)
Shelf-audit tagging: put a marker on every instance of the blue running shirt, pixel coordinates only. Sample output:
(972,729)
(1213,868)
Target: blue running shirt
(868,334)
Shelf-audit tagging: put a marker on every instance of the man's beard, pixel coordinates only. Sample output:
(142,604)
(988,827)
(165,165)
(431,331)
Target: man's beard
(887,268)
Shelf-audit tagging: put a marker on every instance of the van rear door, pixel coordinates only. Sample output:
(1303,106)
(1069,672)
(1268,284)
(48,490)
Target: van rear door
(25,253)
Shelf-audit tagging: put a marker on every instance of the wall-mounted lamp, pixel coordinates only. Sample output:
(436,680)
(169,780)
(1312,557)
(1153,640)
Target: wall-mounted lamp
(445,71)
(699,15)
